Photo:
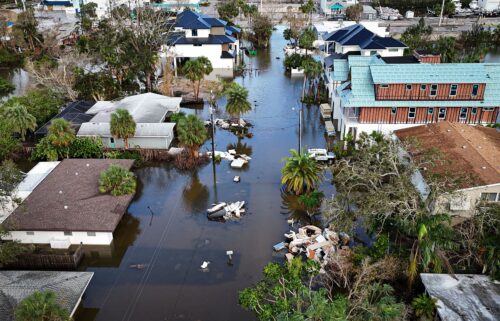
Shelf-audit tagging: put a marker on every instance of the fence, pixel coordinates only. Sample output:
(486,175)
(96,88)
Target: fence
(48,261)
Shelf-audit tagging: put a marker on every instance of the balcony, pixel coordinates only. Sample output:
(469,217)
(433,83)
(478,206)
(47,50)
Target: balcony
(350,115)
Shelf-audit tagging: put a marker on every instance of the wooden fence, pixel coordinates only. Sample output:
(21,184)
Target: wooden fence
(48,261)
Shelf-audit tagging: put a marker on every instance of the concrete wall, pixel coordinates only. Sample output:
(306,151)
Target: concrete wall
(463,202)
(44,237)
(489,5)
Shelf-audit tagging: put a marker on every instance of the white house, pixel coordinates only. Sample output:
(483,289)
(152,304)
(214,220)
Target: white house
(198,35)
(73,6)
(472,150)
(66,207)
(489,5)
(148,111)
(335,7)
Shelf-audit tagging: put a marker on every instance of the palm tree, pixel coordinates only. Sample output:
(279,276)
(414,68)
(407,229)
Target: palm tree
(237,100)
(122,125)
(61,135)
(117,181)
(191,133)
(41,306)
(195,70)
(18,118)
(301,173)
(312,69)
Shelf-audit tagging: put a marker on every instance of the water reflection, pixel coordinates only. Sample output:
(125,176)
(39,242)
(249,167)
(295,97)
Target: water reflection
(124,236)
(241,147)
(195,195)
(19,78)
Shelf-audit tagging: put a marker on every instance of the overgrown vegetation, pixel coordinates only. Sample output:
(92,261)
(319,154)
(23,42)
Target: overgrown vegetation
(117,181)
(41,306)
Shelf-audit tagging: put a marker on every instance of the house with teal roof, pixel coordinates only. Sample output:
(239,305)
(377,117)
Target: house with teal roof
(379,94)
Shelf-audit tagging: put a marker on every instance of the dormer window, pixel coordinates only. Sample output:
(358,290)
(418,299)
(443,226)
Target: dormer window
(194,32)
(453,90)
(408,87)
(384,86)
(475,89)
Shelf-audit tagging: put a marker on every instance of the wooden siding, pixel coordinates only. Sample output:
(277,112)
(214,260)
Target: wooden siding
(384,115)
(430,59)
(399,92)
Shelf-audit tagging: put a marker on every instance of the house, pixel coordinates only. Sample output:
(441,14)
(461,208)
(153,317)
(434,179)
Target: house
(149,112)
(463,297)
(489,5)
(471,150)
(359,38)
(323,28)
(335,7)
(368,13)
(74,112)
(196,35)
(176,5)
(17,285)
(370,94)
(66,207)
(74,6)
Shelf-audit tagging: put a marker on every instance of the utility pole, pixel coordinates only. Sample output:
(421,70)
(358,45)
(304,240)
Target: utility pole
(212,110)
(441,15)
(300,127)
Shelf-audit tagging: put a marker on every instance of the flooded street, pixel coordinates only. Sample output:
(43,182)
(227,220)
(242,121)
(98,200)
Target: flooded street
(175,237)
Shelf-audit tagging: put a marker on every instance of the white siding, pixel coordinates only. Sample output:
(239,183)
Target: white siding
(44,237)
(212,52)
(467,198)
(202,33)
(141,142)
(489,5)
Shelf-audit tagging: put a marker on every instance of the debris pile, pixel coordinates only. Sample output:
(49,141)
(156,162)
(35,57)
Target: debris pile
(315,243)
(226,211)
(229,123)
(387,13)
(237,160)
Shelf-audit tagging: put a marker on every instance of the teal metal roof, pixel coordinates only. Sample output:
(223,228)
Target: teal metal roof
(362,92)
(429,73)
(337,6)
(340,70)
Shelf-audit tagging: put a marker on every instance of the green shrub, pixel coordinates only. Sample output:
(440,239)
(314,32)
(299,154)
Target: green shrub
(86,147)
(293,61)
(177,116)
(10,57)
(126,154)
(6,86)
(44,151)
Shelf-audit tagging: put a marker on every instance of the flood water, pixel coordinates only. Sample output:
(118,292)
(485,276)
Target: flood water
(175,236)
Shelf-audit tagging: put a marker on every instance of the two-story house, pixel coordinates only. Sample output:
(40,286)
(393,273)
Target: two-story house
(198,35)
(381,96)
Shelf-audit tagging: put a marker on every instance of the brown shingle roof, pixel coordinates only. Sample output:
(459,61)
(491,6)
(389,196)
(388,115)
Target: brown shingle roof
(471,149)
(73,183)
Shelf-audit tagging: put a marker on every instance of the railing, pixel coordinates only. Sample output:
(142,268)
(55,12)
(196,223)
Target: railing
(425,96)
(48,261)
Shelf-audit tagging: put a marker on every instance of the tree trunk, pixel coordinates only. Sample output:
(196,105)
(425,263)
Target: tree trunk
(304,87)
(198,90)
(125,141)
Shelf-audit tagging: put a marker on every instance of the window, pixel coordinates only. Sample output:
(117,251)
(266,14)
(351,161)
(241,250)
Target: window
(488,109)
(393,49)
(384,86)
(473,111)
(373,52)
(111,140)
(408,87)
(434,90)
(90,233)
(30,233)
(194,32)
(442,113)
(394,110)
(430,111)
(411,112)
(463,113)
(475,89)
(68,233)
(423,87)
(453,90)
(197,44)
(490,197)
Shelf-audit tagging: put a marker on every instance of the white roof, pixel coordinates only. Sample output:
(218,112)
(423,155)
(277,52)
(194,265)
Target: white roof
(32,179)
(144,108)
(141,129)
(464,297)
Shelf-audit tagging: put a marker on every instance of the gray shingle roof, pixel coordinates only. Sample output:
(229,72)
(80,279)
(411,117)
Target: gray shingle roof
(73,183)
(17,285)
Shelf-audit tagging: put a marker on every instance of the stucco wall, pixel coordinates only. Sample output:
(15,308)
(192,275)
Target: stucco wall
(44,237)
(142,142)
(212,52)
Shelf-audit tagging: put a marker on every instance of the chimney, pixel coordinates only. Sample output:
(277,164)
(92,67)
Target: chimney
(427,57)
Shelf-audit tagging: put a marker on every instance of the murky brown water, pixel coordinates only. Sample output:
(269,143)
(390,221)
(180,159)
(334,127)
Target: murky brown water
(177,238)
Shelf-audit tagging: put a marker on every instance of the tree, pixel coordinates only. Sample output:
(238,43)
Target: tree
(122,125)
(262,28)
(301,173)
(6,86)
(195,70)
(307,38)
(312,69)
(308,8)
(41,306)
(8,143)
(43,104)
(446,8)
(96,85)
(286,293)
(311,201)
(228,10)
(60,135)
(20,120)
(25,31)
(117,181)
(237,100)
(424,307)
(417,36)
(10,177)
(292,35)
(86,147)
(354,12)
(191,133)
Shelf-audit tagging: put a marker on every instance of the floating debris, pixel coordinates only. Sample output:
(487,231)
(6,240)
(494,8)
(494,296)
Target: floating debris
(236,179)
(205,264)
(226,210)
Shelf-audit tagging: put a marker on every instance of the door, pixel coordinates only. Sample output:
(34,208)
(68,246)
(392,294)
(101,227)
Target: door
(112,142)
